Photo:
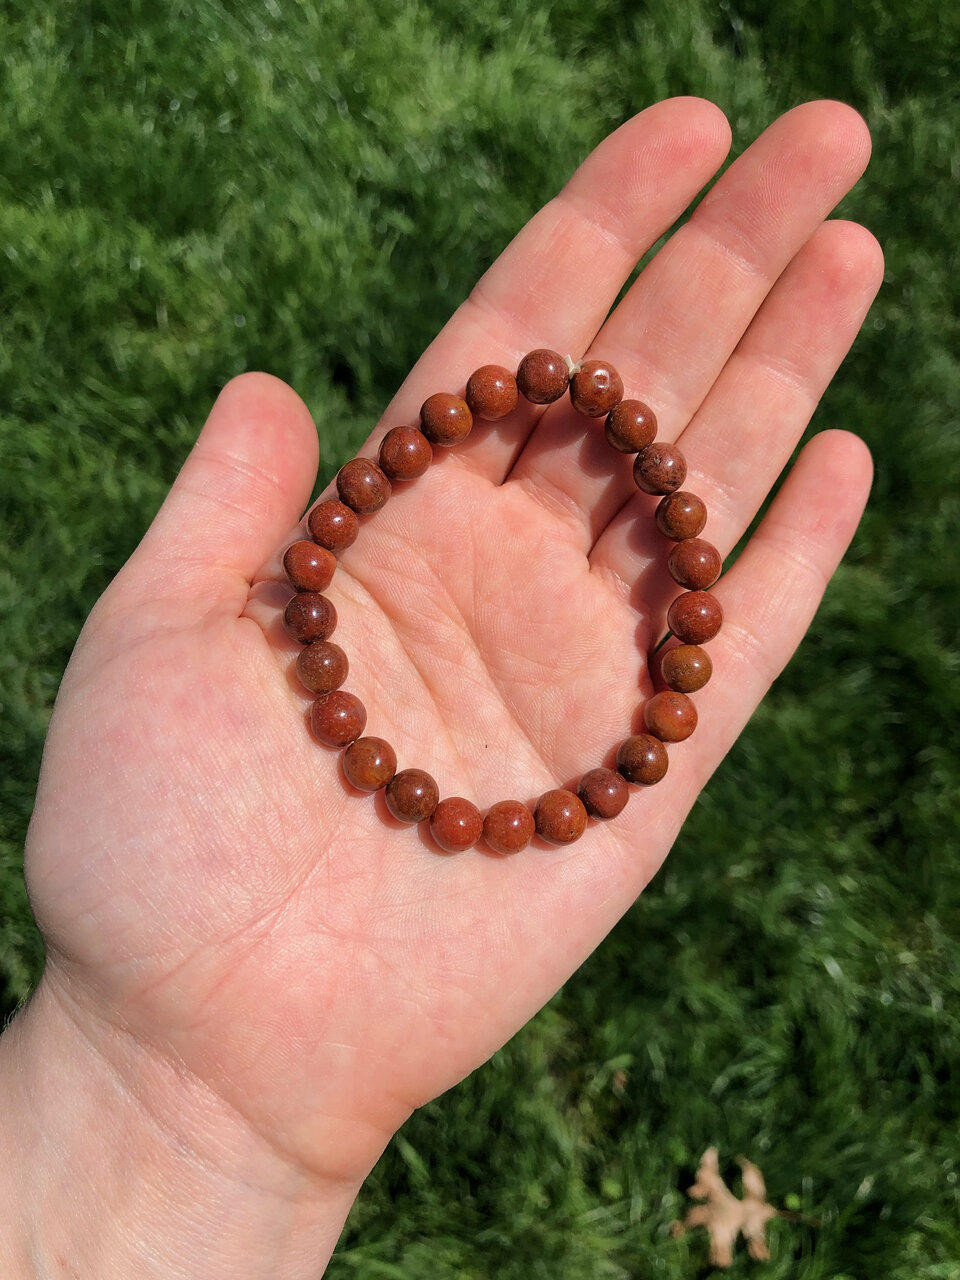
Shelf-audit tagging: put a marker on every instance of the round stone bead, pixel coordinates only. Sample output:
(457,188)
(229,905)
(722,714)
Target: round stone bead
(322,666)
(560,816)
(686,668)
(642,759)
(445,419)
(309,616)
(595,388)
(695,564)
(405,453)
(508,826)
(659,468)
(309,567)
(362,486)
(670,716)
(492,392)
(412,795)
(630,426)
(543,376)
(681,515)
(369,763)
(338,717)
(456,824)
(333,525)
(603,792)
(695,617)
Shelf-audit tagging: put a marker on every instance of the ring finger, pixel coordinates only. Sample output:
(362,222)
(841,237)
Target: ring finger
(746,429)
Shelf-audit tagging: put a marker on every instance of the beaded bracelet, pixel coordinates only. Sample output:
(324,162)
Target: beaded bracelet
(338,718)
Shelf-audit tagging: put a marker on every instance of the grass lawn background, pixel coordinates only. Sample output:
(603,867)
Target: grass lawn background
(188,190)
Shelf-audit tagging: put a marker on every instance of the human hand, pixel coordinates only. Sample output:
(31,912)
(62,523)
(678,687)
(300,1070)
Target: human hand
(255,949)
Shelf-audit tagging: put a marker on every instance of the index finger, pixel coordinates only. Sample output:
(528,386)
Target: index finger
(555,282)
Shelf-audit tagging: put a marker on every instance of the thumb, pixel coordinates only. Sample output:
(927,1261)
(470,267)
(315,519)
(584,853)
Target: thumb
(242,487)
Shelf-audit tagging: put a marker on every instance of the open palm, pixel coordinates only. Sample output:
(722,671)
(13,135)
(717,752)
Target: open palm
(209,885)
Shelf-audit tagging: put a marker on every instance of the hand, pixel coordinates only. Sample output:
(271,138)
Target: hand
(231,927)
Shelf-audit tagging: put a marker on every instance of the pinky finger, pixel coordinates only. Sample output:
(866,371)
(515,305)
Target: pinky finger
(771,594)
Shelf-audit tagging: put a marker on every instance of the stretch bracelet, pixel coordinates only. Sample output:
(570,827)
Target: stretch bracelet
(338,718)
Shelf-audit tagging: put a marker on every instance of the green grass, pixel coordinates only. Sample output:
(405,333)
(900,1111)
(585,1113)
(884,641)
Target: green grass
(190,189)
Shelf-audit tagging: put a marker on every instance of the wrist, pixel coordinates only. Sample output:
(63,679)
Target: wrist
(113,1163)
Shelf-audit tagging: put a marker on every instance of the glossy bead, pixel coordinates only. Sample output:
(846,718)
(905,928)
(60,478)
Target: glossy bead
(309,567)
(508,826)
(369,763)
(445,419)
(322,666)
(412,795)
(543,376)
(680,515)
(595,388)
(333,525)
(659,468)
(362,486)
(670,716)
(338,717)
(695,617)
(642,759)
(405,453)
(560,816)
(686,668)
(603,792)
(456,824)
(309,616)
(695,564)
(630,426)
(492,392)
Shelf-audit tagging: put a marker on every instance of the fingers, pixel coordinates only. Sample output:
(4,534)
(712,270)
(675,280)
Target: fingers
(769,598)
(554,284)
(680,321)
(244,483)
(749,424)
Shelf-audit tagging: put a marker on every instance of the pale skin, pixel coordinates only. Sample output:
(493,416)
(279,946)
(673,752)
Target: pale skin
(254,975)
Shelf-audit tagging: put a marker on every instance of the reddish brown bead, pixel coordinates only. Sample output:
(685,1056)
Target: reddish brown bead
(309,567)
(405,453)
(362,486)
(695,617)
(492,392)
(670,716)
(560,816)
(695,564)
(543,376)
(338,717)
(595,388)
(659,468)
(456,824)
(603,792)
(445,419)
(369,763)
(686,668)
(333,525)
(642,759)
(680,515)
(412,795)
(508,826)
(630,426)
(309,616)
(322,666)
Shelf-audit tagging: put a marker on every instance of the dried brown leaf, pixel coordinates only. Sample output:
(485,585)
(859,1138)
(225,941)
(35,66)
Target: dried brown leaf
(726,1217)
